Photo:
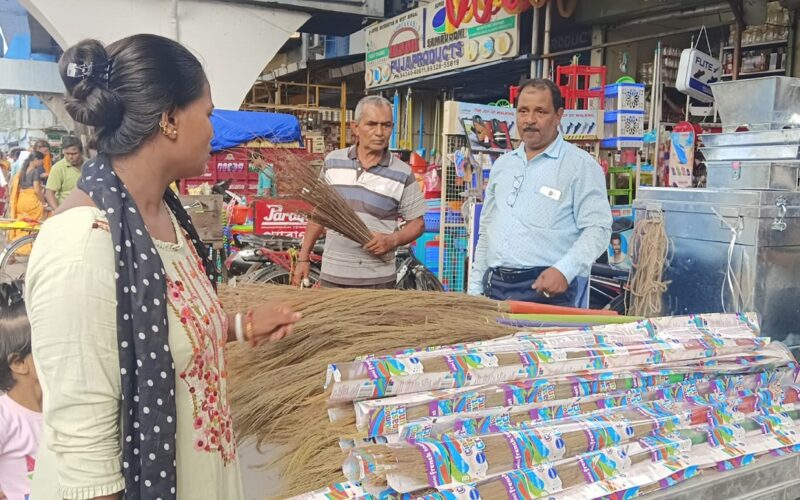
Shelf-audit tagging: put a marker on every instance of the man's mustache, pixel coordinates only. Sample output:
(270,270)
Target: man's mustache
(530,129)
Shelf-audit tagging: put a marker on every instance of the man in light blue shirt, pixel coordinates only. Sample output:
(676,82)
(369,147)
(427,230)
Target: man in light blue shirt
(546,216)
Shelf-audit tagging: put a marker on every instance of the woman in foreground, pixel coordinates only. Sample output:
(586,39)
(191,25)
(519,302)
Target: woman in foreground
(128,333)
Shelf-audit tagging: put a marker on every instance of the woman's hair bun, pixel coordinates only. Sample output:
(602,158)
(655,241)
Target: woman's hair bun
(86,70)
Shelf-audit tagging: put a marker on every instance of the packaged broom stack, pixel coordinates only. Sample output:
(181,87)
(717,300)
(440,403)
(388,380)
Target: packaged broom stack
(614,410)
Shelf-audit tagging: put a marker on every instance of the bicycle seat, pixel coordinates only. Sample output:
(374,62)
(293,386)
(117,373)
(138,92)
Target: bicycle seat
(608,271)
(277,242)
(221,186)
(272,242)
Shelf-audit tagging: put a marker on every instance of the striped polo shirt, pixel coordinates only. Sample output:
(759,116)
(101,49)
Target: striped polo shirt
(380,196)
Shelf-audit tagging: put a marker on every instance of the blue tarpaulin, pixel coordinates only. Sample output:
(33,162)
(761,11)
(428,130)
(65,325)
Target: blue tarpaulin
(232,128)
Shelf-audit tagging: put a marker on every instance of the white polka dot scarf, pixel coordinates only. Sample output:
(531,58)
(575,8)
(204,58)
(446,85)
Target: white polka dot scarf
(146,368)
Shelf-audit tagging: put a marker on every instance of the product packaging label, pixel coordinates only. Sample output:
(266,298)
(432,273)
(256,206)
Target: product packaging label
(533,482)
(604,464)
(534,447)
(468,462)
(437,465)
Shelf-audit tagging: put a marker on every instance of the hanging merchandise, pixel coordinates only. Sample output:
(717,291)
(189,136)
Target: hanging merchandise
(697,71)
(433,182)
(683,140)
(421,144)
(394,141)
(408,124)
(623,62)
(567,7)
(460,160)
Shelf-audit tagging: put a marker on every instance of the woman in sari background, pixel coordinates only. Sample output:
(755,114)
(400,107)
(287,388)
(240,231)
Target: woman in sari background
(27,196)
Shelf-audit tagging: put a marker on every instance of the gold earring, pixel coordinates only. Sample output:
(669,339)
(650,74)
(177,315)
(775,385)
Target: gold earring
(168,130)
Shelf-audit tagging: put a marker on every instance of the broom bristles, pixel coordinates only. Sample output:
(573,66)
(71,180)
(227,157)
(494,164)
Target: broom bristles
(276,390)
(330,209)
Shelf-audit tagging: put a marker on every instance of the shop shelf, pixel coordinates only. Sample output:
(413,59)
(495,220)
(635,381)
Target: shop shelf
(622,142)
(759,44)
(759,73)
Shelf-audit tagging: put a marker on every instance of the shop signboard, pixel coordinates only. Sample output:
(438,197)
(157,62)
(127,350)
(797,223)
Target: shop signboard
(280,217)
(489,128)
(421,42)
(696,72)
(582,125)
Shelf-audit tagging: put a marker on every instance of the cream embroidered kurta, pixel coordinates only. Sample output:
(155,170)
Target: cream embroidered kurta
(71,299)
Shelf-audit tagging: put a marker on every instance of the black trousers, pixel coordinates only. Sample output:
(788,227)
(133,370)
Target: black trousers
(503,283)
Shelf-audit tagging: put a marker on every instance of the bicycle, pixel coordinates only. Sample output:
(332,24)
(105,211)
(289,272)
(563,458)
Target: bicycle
(13,262)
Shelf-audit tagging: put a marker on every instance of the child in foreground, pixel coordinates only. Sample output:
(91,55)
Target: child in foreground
(20,396)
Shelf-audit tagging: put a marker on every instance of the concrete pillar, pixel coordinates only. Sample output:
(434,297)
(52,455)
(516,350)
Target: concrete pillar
(234,41)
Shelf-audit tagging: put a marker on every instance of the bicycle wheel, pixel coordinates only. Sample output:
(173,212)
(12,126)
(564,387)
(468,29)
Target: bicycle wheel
(426,280)
(275,275)
(14,259)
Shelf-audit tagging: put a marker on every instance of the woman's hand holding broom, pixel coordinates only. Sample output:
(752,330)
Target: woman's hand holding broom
(267,323)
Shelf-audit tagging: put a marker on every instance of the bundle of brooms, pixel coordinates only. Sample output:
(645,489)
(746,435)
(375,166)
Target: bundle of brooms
(275,390)
(329,208)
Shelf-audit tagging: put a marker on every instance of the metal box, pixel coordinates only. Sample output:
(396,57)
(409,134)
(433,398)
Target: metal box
(769,478)
(754,233)
(770,103)
(753,174)
(757,138)
(749,152)
(206,214)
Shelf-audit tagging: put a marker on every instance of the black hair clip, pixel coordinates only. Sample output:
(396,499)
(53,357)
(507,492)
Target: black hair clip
(11,292)
(89,70)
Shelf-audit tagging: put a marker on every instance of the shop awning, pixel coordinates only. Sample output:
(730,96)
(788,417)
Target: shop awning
(232,128)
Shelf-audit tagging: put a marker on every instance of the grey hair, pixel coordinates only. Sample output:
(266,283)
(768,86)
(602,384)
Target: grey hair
(370,100)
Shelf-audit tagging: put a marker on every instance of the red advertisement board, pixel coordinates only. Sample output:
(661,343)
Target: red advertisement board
(280,217)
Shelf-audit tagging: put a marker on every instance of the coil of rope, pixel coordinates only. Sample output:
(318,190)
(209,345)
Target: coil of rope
(650,254)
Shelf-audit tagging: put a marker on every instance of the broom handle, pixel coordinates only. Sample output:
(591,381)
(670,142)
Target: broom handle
(518,307)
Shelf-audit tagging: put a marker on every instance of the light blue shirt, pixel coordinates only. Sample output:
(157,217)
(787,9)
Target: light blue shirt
(551,211)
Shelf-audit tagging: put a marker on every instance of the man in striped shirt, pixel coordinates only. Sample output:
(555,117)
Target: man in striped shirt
(381,189)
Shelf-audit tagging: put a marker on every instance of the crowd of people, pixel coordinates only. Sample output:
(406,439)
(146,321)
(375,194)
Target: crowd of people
(34,186)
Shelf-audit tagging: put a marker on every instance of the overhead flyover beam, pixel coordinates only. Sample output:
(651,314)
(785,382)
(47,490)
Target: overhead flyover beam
(596,12)
(366,8)
(235,41)
(19,76)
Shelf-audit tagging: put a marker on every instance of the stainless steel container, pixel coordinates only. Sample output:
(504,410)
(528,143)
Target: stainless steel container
(769,478)
(770,103)
(757,138)
(763,229)
(753,174)
(746,152)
